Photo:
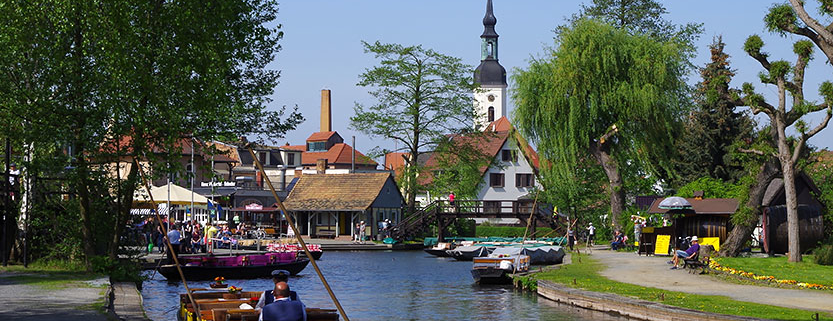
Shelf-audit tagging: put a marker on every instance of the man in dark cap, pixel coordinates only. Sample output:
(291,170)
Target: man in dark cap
(278,276)
(283,309)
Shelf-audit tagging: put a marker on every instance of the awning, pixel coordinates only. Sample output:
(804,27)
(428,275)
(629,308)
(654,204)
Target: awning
(178,195)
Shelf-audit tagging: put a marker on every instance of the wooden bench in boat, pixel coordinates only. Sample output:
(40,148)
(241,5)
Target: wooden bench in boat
(214,307)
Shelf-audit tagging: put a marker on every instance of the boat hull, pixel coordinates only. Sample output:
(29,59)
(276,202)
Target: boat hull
(198,273)
(491,276)
(438,253)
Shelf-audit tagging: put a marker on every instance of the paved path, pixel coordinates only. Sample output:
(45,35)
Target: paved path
(651,271)
(22,301)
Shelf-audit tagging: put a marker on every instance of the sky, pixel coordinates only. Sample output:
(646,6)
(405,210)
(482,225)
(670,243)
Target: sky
(322,49)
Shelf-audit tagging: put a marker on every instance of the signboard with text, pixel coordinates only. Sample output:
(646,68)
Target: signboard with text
(661,245)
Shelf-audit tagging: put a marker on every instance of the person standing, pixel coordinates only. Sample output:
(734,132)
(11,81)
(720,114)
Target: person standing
(591,234)
(174,237)
(571,238)
(451,201)
(362,231)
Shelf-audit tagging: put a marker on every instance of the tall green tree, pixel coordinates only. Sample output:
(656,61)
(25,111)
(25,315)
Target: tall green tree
(622,106)
(639,17)
(788,80)
(114,81)
(421,95)
(706,145)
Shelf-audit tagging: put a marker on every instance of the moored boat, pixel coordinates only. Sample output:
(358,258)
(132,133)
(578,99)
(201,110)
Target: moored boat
(440,250)
(467,253)
(496,269)
(314,249)
(235,267)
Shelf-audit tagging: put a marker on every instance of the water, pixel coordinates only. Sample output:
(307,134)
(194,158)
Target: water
(385,285)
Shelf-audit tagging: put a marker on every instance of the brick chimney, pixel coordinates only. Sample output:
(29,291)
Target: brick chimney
(326,111)
(321,166)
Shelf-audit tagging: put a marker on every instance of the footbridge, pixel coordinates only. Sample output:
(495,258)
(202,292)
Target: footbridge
(443,213)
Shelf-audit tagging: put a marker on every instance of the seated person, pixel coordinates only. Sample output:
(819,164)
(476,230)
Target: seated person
(687,254)
(268,296)
(283,309)
(618,241)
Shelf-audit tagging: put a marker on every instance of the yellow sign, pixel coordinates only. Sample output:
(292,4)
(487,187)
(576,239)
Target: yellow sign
(661,245)
(713,241)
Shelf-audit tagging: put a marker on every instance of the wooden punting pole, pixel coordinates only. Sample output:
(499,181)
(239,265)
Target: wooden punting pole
(146,183)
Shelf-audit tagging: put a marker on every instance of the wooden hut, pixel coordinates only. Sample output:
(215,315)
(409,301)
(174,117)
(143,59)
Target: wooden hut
(705,218)
(774,221)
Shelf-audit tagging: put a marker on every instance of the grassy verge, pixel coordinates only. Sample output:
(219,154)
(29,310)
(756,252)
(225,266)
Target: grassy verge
(51,275)
(584,275)
(778,267)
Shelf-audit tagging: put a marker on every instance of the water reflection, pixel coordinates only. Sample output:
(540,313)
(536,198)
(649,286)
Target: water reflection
(404,285)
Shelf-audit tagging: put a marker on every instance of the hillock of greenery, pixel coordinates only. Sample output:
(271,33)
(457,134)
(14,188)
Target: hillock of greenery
(824,255)
(510,231)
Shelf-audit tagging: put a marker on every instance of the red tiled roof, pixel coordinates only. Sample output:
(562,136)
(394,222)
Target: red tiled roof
(395,161)
(720,206)
(488,144)
(340,153)
(500,125)
(300,148)
(320,136)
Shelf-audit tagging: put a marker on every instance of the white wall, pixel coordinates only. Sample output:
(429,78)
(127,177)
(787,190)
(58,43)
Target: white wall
(509,169)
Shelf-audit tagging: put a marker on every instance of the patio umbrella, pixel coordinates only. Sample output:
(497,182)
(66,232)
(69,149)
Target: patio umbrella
(179,195)
(674,203)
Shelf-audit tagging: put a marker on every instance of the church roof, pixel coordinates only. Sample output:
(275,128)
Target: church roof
(490,73)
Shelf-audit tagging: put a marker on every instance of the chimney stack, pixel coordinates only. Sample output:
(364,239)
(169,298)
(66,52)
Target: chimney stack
(326,111)
(321,166)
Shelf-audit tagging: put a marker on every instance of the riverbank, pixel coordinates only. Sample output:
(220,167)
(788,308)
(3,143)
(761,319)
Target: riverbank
(644,287)
(53,294)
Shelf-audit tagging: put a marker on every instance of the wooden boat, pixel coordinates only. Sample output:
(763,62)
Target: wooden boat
(213,306)
(440,250)
(314,249)
(467,253)
(496,269)
(235,267)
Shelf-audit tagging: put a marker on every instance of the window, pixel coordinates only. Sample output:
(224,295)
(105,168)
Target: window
(262,158)
(524,180)
(491,113)
(317,146)
(509,155)
(496,179)
(290,161)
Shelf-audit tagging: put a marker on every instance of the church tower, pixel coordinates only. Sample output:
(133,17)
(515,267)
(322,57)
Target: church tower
(490,76)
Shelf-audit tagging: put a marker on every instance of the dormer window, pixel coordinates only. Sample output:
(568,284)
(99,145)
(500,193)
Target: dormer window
(317,146)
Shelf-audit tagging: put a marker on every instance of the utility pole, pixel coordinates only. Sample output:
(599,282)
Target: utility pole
(8,198)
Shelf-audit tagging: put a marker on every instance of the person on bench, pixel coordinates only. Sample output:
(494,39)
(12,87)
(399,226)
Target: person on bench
(618,241)
(687,254)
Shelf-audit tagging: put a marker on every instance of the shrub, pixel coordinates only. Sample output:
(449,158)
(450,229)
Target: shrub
(824,254)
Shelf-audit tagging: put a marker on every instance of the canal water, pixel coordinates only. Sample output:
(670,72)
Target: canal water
(390,285)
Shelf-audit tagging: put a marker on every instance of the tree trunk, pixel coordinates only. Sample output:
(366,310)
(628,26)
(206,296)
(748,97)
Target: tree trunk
(794,245)
(788,169)
(85,211)
(123,212)
(617,192)
(742,232)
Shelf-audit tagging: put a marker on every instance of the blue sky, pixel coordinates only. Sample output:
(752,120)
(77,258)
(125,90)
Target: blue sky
(322,46)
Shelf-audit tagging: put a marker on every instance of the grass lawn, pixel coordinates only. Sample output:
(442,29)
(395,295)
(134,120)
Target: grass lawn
(50,275)
(804,271)
(586,276)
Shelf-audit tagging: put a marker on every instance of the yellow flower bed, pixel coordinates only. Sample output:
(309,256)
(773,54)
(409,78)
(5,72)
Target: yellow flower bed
(717,267)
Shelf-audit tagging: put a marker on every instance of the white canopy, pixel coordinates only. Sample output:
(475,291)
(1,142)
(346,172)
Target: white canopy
(179,195)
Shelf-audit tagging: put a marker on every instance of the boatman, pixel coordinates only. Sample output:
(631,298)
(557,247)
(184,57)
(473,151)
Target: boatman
(268,296)
(283,309)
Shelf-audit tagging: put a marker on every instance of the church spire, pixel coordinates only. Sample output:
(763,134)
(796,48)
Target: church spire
(490,72)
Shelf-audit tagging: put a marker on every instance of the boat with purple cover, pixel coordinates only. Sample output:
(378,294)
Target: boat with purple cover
(235,267)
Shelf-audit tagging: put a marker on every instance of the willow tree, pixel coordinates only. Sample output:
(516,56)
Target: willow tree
(605,92)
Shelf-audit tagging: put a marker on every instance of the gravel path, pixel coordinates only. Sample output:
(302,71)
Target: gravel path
(79,301)
(651,271)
